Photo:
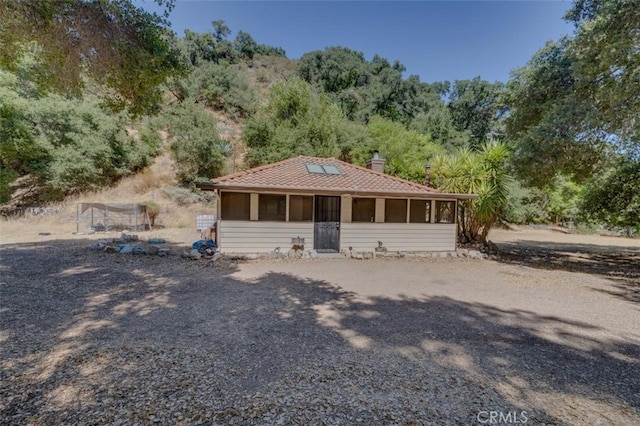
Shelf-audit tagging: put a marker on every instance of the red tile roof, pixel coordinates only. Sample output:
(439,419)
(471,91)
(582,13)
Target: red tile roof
(292,174)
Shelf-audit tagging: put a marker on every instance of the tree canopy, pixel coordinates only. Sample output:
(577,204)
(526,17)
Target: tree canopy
(122,47)
(577,101)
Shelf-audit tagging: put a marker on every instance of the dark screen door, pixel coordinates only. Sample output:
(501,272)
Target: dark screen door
(326,235)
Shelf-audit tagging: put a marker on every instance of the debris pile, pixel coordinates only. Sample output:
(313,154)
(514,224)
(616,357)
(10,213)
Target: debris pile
(202,249)
(130,244)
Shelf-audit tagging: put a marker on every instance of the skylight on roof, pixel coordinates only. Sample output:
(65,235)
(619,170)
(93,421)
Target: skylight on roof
(331,170)
(315,168)
(322,169)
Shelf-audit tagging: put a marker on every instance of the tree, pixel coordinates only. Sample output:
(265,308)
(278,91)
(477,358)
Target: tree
(335,69)
(245,45)
(299,121)
(195,145)
(220,30)
(476,106)
(224,87)
(406,152)
(475,172)
(549,123)
(122,47)
(437,123)
(577,102)
(60,145)
(607,65)
(364,89)
(614,197)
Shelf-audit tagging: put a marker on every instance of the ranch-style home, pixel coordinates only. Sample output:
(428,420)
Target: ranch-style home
(330,205)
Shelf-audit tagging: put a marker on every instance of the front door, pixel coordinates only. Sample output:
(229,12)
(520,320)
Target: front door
(326,234)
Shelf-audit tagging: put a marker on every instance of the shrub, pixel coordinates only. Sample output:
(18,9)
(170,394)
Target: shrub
(152,209)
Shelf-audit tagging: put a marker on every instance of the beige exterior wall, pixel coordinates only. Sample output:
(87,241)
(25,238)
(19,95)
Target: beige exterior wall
(379,210)
(399,236)
(254,207)
(237,236)
(345,206)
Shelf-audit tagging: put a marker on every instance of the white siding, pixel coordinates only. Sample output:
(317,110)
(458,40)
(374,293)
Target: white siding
(262,237)
(364,236)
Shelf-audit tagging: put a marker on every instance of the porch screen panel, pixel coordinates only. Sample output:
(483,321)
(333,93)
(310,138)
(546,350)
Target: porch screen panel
(300,208)
(420,211)
(363,210)
(235,206)
(445,211)
(395,211)
(272,207)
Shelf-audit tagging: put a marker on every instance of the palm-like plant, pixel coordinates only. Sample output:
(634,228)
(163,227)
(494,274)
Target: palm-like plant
(480,172)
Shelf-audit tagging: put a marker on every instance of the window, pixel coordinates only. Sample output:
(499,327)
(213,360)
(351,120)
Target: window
(272,207)
(322,169)
(363,210)
(445,211)
(300,208)
(315,168)
(331,170)
(395,211)
(235,206)
(420,211)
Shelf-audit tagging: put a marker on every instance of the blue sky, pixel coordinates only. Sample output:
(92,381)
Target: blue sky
(437,40)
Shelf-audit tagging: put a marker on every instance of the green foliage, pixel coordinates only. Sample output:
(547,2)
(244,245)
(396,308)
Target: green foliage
(297,121)
(335,69)
(476,106)
(577,100)
(225,88)
(214,47)
(365,89)
(564,200)
(607,64)
(524,205)
(7,177)
(116,44)
(614,197)
(67,145)
(549,123)
(197,149)
(437,123)
(475,172)
(245,45)
(406,152)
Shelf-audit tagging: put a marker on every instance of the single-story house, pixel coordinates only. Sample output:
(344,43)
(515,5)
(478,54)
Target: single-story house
(330,205)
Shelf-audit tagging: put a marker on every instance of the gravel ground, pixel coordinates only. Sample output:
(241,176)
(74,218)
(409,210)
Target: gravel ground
(540,336)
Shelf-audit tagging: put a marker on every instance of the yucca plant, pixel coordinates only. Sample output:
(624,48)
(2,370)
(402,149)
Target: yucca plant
(480,172)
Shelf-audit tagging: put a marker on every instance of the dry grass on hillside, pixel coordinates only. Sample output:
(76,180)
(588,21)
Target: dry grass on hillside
(156,183)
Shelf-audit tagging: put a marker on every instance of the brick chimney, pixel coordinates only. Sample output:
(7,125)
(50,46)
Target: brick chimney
(376,163)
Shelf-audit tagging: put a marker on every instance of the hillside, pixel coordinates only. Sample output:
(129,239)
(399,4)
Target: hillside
(176,221)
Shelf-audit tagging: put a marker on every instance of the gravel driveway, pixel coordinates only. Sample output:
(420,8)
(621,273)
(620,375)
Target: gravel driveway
(93,338)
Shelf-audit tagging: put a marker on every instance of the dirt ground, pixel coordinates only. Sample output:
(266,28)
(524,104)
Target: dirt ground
(548,332)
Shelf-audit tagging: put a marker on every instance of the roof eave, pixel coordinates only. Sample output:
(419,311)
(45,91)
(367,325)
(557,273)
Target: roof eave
(211,186)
